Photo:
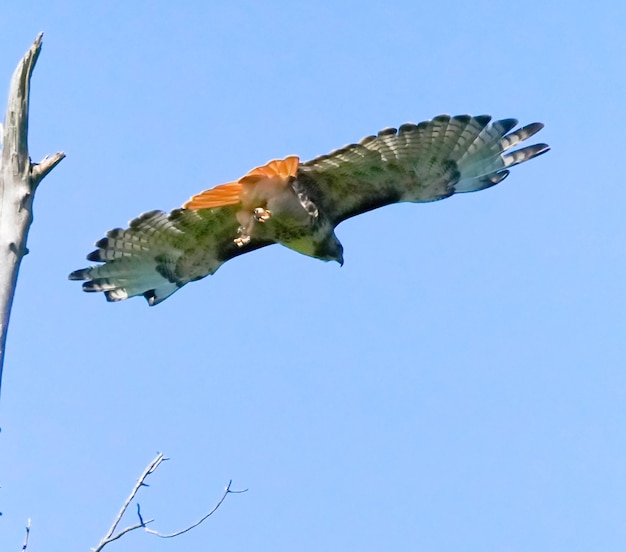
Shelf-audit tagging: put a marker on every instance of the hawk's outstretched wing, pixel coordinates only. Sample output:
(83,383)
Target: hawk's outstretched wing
(417,163)
(300,204)
(160,252)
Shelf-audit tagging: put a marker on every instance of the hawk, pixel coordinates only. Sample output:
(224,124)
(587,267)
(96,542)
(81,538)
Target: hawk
(299,205)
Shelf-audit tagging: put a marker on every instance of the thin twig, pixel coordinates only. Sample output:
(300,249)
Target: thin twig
(109,537)
(227,491)
(25,545)
(128,529)
(112,535)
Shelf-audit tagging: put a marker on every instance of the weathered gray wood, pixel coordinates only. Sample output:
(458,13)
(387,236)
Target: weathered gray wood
(18,181)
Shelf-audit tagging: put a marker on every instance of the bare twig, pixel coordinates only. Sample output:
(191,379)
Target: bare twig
(112,535)
(19,178)
(25,545)
(140,483)
(227,491)
(109,537)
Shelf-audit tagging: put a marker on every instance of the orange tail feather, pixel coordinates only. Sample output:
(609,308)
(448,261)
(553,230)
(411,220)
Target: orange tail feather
(220,196)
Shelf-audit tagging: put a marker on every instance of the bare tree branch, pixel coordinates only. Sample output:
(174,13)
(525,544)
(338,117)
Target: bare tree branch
(227,491)
(18,181)
(41,170)
(112,535)
(109,537)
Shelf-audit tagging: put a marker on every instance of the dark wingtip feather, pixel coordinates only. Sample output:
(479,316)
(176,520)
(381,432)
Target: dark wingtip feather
(390,131)
(482,120)
(497,177)
(94,256)
(136,222)
(525,154)
(531,129)
(506,125)
(541,149)
(115,233)
(150,297)
(463,118)
(407,127)
(80,274)
(159,294)
(110,297)
(91,287)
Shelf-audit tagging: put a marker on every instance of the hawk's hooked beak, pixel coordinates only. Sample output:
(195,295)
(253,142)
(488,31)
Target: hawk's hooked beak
(336,251)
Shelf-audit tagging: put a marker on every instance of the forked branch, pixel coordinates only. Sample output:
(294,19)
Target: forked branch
(113,534)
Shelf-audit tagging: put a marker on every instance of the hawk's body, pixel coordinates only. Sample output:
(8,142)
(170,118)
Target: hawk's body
(300,204)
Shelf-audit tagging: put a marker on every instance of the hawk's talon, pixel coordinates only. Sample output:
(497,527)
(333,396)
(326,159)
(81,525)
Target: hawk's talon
(242,240)
(262,215)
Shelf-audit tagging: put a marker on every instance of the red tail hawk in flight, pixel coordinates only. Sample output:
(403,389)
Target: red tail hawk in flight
(299,204)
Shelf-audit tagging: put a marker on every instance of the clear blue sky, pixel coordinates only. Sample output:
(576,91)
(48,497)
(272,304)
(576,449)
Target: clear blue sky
(460,384)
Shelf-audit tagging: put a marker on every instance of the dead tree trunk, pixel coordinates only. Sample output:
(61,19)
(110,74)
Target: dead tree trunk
(19,179)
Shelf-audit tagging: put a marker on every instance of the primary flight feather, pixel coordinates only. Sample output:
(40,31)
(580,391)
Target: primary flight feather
(299,204)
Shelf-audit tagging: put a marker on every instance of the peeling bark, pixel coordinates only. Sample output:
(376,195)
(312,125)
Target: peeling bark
(19,178)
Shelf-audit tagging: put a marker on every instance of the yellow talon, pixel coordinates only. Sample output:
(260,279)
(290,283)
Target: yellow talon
(262,215)
(242,240)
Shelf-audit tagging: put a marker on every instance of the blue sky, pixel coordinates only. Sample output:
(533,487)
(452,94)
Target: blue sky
(459,384)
